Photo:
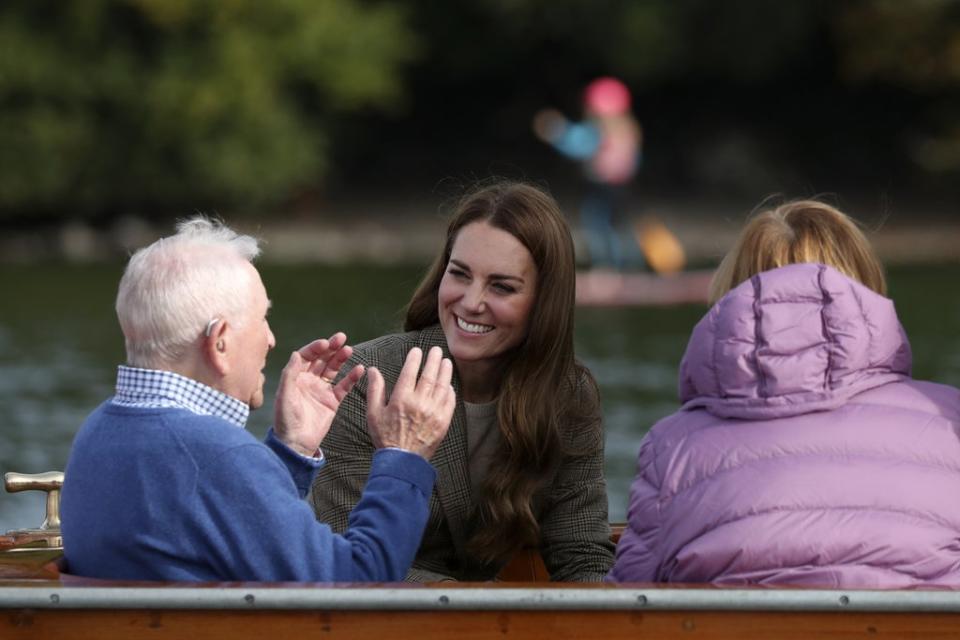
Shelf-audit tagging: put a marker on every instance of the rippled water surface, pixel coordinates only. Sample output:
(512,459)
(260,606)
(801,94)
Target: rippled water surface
(59,345)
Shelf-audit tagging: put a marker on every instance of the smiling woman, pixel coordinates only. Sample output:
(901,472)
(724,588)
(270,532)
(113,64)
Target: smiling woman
(522,463)
(485,298)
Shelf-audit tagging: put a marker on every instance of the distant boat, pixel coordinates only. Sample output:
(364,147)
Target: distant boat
(602,288)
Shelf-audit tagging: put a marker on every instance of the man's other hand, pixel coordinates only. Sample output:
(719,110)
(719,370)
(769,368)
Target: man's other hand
(419,411)
(307,398)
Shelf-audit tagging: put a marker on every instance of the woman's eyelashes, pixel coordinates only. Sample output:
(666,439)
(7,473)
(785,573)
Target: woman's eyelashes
(496,285)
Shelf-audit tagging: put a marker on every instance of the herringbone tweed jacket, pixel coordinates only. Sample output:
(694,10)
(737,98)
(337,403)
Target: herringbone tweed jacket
(572,510)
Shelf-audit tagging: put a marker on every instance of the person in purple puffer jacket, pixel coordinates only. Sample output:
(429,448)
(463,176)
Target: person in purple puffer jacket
(804,453)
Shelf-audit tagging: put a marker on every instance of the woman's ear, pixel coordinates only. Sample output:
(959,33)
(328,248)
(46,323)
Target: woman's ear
(215,346)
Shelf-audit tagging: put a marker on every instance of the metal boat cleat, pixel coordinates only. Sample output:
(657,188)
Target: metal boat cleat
(47,535)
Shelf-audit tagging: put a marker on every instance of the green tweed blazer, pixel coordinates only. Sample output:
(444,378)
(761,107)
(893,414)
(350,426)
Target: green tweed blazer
(572,510)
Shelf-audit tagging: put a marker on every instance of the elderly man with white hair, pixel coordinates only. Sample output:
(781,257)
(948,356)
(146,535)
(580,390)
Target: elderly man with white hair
(165,483)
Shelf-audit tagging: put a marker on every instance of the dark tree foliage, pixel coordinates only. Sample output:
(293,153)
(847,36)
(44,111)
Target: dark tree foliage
(746,97)
(118,106)
(110,106)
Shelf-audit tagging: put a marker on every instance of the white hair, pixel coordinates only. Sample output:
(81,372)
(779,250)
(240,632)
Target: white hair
(174,287)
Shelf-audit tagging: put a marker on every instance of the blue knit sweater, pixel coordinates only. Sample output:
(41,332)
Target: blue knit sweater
(166,494)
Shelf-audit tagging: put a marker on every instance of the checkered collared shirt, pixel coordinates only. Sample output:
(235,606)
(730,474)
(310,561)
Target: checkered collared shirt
(152,388)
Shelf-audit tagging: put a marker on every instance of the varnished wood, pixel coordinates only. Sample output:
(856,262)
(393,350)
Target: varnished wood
(30,563)
(527,564)
(35,560)
(551,625)
(35,569)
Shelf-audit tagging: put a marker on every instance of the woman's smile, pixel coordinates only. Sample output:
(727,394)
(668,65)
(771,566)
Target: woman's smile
(473,327)
(485,299)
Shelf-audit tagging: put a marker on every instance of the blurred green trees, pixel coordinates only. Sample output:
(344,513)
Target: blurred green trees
(165,106)
(111,106)
(916,46)
(741,98)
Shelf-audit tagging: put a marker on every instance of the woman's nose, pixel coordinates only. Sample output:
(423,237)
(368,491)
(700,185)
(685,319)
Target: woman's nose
(473,298)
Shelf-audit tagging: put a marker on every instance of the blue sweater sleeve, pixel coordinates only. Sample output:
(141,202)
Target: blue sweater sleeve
(255,526)
(301,468)
(392,511)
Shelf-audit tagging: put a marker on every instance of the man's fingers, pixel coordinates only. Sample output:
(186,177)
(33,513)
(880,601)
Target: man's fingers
(449,405)
(287,382)
(291,369)
(375,390)
(342,388)
(323,348)
(407,379)
(327,355)
(375,406)
(428,377)
(332,365)
(316,349)
(444,376)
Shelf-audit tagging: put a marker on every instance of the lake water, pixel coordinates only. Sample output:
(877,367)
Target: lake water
(60,343)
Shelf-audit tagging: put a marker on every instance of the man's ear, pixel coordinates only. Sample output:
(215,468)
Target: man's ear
(215,347)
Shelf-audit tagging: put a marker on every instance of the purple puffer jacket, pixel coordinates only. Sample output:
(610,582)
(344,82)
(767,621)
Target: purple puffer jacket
(803,454)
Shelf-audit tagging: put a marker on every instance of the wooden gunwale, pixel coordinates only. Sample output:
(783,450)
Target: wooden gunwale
(65,608)
(37,601)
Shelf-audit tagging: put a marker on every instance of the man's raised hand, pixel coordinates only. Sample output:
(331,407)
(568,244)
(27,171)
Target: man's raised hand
(419,411)
(307,398)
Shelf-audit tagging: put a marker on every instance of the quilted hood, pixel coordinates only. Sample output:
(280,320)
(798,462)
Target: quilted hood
(789,341)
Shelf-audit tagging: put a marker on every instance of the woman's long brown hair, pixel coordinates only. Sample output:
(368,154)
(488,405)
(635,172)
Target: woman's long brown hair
(539,397)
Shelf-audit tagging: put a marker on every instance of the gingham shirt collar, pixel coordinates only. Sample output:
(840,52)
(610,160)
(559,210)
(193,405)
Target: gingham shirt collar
(152,388)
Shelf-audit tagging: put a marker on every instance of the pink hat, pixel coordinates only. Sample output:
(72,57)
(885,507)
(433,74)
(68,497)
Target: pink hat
(607,97)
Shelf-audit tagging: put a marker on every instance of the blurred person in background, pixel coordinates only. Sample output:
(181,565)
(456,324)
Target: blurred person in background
(165,483)
(522,465)
(609,144)
(804,453)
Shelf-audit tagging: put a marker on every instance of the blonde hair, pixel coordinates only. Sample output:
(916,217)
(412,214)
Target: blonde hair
(799,231)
